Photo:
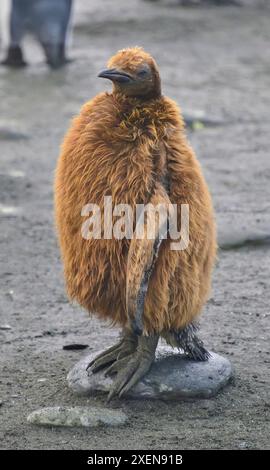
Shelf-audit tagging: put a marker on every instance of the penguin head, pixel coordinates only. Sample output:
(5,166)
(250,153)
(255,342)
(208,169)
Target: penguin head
(134,73)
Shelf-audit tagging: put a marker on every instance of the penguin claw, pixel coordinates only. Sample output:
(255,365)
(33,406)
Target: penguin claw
(122,349)
(133,368)
(106,357)
(117,366)
(101,363)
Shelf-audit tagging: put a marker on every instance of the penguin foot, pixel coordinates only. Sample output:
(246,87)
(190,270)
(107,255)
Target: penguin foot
(132,368)
(123,348)
(55,65)
(14,58)
(188,340)
(55,55)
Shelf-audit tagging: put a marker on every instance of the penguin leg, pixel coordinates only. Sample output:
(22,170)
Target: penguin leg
(55,54)
(126,346)
(133,367)
(187,340)
(14,57)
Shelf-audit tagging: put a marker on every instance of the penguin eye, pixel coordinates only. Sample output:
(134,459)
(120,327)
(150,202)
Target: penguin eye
(143,72)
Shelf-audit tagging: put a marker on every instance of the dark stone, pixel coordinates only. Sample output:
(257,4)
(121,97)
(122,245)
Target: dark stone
(75,347)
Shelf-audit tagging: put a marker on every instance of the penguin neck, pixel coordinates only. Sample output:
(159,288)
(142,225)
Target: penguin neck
(129,102)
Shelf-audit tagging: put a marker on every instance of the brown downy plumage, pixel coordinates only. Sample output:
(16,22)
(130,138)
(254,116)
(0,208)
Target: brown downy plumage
(130,144)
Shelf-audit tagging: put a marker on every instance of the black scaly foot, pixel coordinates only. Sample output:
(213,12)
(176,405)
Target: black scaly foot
(14,57)
(193,346)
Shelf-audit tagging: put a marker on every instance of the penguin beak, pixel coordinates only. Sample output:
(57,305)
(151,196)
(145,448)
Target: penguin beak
(115,75)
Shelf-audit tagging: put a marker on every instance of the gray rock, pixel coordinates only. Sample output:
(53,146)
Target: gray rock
(77,416)
(241,239)
(8,211)
(172,377)
(12,134)
(197,120)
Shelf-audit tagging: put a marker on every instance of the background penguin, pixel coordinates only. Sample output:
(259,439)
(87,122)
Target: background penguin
(48,21)
(131,144)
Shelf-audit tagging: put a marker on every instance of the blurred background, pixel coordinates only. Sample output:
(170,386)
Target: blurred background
(214,60)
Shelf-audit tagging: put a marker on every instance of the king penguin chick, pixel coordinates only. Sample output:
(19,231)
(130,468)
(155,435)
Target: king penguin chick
(130,144)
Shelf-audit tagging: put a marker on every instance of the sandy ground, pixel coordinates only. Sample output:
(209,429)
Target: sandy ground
(216,60)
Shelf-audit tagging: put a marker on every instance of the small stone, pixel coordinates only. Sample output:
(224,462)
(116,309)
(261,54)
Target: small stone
(16,174)
(172,377)
(5,327)
(197,119)
(243,445)
(9,211)
(74,347)
(10,293)
(240,239)
(77,416)
(6,133)
(42,380)
(198,126)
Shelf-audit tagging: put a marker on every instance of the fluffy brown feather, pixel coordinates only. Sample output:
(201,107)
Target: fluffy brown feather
(115,147)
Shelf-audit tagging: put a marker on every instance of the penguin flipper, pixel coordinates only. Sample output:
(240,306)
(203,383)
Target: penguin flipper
(143,253)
